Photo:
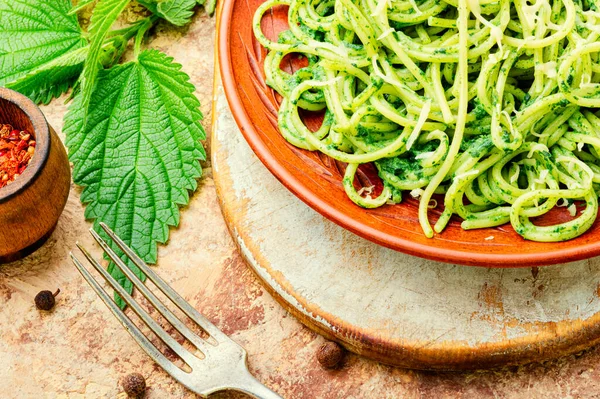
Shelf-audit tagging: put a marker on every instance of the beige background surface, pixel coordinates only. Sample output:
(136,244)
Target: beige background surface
(80,351)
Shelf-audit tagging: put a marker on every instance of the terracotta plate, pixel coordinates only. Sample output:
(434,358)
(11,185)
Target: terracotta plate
(316,179)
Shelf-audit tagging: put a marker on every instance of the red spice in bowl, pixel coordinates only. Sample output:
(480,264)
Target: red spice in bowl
(16,150)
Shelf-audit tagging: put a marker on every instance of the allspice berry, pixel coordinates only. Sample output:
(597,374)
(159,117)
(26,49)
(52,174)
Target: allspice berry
(134,385)
(44,300)
(330,355)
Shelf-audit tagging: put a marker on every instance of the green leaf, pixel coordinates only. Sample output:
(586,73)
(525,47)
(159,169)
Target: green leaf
(56,77)
(177,12)
(138,153)
(103,17)
(51,79)
(39,37)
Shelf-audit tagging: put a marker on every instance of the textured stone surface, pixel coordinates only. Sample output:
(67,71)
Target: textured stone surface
(80,351)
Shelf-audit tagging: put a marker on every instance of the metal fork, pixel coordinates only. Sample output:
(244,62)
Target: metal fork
(221,364)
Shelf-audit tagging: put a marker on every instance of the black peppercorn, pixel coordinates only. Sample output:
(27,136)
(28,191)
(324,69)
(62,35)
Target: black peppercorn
(134,385)
(44,300)
(330,355)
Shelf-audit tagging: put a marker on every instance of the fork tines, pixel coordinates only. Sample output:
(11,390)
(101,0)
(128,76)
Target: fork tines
(201,344)
(221,363)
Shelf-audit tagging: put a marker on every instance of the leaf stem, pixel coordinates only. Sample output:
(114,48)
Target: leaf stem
(148,22)
(132,30)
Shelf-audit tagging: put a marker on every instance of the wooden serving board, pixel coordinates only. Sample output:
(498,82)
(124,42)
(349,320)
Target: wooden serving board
(396,308)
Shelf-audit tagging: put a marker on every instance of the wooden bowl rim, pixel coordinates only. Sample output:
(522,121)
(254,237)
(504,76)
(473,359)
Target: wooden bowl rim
(432,252)
(41,132)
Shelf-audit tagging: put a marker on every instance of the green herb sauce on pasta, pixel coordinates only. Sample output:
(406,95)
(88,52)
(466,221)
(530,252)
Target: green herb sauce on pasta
(493,103)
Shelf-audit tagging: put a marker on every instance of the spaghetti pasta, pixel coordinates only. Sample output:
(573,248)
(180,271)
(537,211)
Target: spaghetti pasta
(492,103)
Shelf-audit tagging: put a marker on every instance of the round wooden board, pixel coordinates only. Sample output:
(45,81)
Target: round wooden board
(387,305)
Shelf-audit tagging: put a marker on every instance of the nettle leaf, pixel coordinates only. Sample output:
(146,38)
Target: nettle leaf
(103,17)
(177,12)
(138,154)
(51,79)
(39,37)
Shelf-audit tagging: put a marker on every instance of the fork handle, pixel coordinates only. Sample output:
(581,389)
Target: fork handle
(251,386)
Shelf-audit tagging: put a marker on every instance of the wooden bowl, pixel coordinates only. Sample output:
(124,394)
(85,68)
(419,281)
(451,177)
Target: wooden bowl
(31,205)
(316,179)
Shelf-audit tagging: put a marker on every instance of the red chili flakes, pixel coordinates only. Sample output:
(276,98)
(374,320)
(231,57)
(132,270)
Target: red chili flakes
(16,150)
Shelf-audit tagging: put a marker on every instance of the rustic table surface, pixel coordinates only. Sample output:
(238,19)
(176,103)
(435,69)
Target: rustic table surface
(80,350)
